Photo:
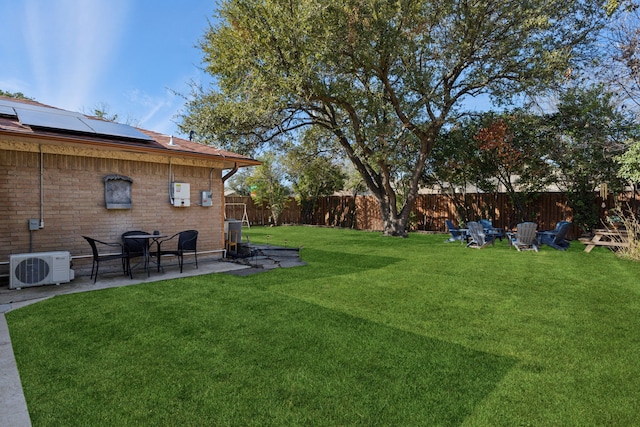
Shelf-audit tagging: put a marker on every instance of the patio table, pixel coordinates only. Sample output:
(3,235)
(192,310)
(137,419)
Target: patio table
(147,249)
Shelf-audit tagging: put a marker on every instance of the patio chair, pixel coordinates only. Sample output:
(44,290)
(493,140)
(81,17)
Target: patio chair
(489,229)
(478,237)
(187,241)
(555,231)
(456,233)
(135,248)
(115,252)
(525,237)
(557,238)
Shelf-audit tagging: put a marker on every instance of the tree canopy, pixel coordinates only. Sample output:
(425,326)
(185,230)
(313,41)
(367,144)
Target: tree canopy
(588,133)
(266,186)
(381,77)
(17,95)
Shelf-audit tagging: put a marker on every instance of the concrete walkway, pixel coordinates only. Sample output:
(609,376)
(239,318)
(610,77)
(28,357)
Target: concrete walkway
(13,406)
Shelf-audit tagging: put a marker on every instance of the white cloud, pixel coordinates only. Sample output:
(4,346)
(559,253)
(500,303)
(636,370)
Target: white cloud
(153,112)
(83,54)
(70,44)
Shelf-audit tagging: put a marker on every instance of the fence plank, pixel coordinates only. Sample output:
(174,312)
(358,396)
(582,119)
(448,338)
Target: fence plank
(429,213)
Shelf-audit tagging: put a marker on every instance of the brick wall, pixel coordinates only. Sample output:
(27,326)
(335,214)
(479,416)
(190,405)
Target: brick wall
(73,203)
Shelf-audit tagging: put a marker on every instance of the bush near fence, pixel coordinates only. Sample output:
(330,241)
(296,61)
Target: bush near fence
(429,212)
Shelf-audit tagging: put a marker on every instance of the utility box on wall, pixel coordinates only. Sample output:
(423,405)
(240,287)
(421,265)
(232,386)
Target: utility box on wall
(205,198)
(180,194)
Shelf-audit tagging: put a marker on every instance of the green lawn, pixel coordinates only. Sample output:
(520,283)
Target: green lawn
(373,331)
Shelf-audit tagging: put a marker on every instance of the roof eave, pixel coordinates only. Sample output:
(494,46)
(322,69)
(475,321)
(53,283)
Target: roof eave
(126,146)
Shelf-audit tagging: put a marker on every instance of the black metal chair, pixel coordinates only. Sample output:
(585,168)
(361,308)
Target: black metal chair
(135,248)
(187,241)
(110,256)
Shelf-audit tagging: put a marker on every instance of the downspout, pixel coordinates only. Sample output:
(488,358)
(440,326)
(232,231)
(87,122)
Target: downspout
(230,173)
(224,178)
(224,209)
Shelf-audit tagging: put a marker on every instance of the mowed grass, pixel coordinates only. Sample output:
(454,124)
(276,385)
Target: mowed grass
(374,331)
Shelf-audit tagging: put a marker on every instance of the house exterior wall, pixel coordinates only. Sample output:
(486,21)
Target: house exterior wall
(68,189)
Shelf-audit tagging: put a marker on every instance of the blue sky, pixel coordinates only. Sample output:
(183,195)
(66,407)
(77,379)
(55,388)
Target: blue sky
(127,55)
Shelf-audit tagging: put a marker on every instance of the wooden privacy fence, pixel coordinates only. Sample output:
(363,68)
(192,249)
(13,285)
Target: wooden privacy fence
(259,214)
(429,213)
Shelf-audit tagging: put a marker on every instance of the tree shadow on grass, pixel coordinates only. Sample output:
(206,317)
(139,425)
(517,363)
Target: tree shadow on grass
(340,263)
(351,371)
(238,356)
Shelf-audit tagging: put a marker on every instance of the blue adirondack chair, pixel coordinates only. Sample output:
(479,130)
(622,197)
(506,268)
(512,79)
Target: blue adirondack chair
(489,229)
(556,238)
(456,234)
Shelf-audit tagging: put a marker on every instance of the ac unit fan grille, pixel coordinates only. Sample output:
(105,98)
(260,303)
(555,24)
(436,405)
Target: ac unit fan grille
(32,270)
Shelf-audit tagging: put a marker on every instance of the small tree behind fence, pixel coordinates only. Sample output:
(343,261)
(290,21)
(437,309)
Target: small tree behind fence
(429,213)
(259,214)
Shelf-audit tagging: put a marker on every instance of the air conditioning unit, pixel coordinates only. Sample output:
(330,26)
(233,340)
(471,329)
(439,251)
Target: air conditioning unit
(39,268)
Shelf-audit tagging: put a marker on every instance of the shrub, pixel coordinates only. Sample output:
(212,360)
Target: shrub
(631,224)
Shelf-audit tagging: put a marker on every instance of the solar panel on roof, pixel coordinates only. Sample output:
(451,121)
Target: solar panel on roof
(63,120)
(9,103)
(52,121)
(115,129)
(6,110)
(41,108)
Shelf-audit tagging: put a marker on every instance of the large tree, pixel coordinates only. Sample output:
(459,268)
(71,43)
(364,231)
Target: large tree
(621,69)
(588,131)
(454,166)
(513,152)
(493,152)
(313,172)
(382,76)
(266,186)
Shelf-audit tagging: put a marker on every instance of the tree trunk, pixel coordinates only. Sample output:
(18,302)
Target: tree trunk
(393,224)
(395,227)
